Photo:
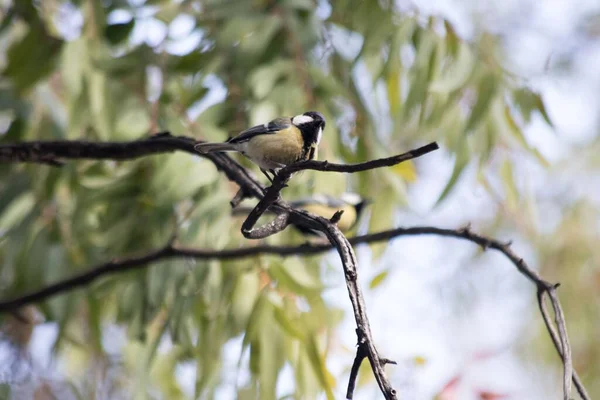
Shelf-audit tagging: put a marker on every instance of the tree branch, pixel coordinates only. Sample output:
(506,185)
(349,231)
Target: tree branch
(53,152)
(164,142)
(361,354)
(326,166)
(366,343)
(277,225)
(556,339)
(169,252)
(339,241)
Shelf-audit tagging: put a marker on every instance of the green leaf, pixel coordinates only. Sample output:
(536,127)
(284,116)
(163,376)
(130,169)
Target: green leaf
(306,5)
(15,130)
(318,365)
(193,95)
(453,42)
(513,128)
(218,10)
(101,105)
(259,311)
(177,328)
(460,162)
(244,297)
(94,322)
(130,65)
(193,62)
(264,79)
(270,360)
(289,326)
(17,211)
(528,101)
(262,36)
(155,339)
(378,279)
(7,21)
(426,46)
(541,107)
(5,391)
(295,276)
(485,94)
(75,58)
(382,211)
(116,33)
(392,74)
(32,58)
(503,118)
(457,74)
(512,194)
(133,120)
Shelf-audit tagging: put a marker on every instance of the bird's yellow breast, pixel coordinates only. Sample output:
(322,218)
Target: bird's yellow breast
(347,219)
(284,147)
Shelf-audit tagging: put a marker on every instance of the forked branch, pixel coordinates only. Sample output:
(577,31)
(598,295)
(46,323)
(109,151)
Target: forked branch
(55,152)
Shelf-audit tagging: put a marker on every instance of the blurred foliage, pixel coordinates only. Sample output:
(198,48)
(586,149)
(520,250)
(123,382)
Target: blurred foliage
(119,70)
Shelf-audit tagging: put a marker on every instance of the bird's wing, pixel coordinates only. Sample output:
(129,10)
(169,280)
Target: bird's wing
(270,127)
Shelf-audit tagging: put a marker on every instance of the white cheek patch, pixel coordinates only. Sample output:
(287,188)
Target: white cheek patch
(319,198)
(351,198)
(302,119)
(319,134)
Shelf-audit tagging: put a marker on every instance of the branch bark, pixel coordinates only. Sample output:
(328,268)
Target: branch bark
(366,343)
(123,265)
(54,152)
(326,166)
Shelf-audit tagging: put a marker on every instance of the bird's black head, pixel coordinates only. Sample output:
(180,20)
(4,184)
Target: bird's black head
(361,206)
(356,201)
(317,117)
(311,124)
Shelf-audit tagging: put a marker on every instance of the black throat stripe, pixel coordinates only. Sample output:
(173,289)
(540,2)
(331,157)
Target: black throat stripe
(309,133)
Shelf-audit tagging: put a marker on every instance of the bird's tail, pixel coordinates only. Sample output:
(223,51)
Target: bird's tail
(214,147)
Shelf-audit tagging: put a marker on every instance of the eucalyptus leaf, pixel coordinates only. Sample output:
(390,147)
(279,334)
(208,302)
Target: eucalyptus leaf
(458,74)
(485,94)
(116,33)
(460,162)
(378,279)
(510,187)
(32,58)
(318,365)
(17,211)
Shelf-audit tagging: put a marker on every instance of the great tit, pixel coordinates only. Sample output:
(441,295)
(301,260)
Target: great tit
(325,206)
(277,143)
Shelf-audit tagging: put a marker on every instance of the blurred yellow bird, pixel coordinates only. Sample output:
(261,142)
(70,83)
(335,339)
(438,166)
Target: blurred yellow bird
(325,206)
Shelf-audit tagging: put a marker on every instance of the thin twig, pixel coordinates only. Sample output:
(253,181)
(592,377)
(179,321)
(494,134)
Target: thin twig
(238,198)
(128,264)
(366,342)
(326,166)
(53,152)
(361,354)
(169,251)
(555,336)
(340,242)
